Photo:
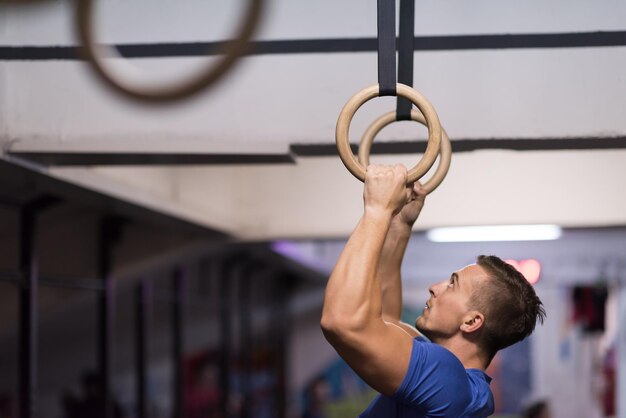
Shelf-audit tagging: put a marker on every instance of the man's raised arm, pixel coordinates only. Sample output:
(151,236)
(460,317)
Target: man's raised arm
(389,268)
(352,316)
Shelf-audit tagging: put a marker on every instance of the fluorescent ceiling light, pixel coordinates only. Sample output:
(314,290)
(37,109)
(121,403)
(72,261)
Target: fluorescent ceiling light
(495,233)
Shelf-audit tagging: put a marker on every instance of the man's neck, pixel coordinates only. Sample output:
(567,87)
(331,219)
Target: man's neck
(470,355)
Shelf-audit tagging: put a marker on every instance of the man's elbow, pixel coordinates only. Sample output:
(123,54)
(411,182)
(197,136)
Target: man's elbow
(329,325)
(337,328)
(330,333)
(333,332)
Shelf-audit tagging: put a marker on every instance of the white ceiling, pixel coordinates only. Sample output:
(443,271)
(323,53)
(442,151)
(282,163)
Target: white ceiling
(272,101)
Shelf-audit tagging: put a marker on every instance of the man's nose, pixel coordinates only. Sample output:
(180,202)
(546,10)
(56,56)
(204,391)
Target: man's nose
(435,289)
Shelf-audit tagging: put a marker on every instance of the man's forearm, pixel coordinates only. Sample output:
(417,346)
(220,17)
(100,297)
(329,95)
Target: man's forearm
(389,269)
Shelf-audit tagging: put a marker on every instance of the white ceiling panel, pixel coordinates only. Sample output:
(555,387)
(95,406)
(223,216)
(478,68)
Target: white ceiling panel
(295,99)
(317,197)
(273,101)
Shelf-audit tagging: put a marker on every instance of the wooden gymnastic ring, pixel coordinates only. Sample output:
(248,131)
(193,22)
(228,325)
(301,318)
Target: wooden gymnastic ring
(445,152)
(233,50)
(347,113)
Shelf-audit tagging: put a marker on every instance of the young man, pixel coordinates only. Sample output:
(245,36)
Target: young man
(480,309)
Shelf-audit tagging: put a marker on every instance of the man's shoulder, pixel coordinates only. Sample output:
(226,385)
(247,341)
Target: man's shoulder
(436,382)
(433,374)
(444,370)
(435,354)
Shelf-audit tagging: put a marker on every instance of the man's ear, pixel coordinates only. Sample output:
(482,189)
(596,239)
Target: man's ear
(472,321)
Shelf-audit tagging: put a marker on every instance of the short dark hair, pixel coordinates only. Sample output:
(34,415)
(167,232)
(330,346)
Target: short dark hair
(509,303)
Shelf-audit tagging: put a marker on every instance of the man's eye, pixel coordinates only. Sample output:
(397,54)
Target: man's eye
(451,284)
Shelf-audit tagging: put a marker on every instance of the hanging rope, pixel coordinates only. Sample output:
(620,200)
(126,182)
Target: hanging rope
(405,56)
(387,86)
(387,47)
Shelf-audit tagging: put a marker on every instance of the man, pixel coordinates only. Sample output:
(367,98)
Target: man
(480,309)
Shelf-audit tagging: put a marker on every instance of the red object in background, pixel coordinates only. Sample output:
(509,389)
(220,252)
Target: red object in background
(589,303)
(202,391)
(530,268)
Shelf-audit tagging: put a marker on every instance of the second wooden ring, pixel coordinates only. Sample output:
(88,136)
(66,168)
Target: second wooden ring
(445,154)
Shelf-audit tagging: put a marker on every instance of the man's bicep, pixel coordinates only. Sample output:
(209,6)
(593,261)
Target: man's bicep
(380,355)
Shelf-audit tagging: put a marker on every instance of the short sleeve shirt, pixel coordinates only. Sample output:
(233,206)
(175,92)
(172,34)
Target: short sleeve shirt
(436,385)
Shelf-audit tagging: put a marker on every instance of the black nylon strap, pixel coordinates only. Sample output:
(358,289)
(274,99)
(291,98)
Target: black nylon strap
(387,47)
(405,56)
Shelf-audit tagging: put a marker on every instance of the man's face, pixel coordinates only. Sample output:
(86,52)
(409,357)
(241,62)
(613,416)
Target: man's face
(445,310)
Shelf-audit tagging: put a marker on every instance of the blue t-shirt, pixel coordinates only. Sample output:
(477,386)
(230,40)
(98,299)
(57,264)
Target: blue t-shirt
(436,385)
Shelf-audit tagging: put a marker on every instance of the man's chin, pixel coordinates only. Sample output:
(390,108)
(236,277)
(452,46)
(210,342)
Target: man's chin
(419,325)
(425,331)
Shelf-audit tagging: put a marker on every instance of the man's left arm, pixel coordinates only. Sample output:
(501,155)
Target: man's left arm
(389,268)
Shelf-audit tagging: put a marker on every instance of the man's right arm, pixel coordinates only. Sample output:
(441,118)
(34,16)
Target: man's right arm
(352,321)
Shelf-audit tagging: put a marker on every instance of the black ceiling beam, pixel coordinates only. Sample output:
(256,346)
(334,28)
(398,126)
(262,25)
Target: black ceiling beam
(331,45)
(318,150)
(118,158)
(467,145)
